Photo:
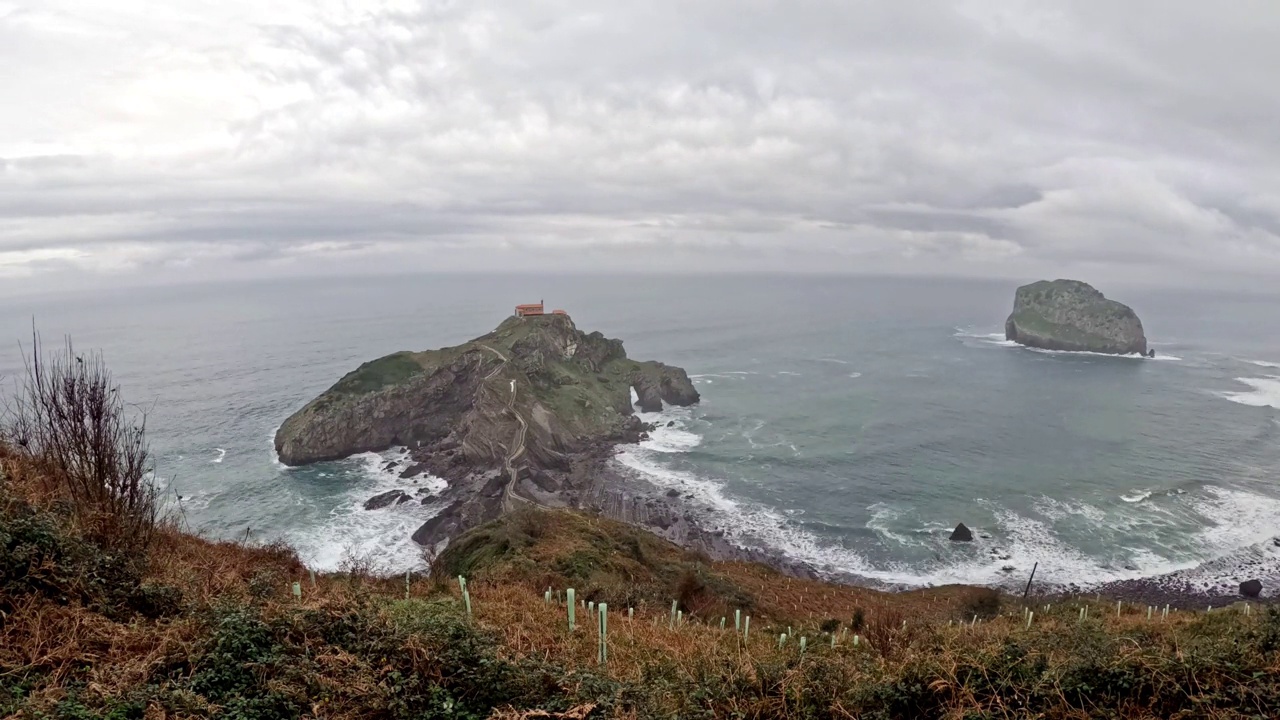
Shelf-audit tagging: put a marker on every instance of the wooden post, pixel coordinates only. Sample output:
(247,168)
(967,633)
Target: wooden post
(1033,577)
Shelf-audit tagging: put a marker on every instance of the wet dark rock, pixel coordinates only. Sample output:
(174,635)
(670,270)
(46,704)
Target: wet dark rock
(386,499)
(961,534)
(673,493)
(671,423)
(1251,588)
(412,471)
(390,466)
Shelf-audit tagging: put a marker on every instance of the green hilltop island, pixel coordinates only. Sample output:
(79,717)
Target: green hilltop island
(526,415)
(1072,316)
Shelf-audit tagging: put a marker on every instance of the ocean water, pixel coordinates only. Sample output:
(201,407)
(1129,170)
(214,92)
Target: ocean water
(846,422)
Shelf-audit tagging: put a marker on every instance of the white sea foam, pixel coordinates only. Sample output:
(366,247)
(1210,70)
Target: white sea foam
(832,360)
(788,372)
(995,338)
(275,456)
(731,375)
(384,535)
(1238,525)
(1264,363)
(1237,520)
(855,375)
(1165,358)
(882,521)
(998,338)
(1265,392)
(222,454)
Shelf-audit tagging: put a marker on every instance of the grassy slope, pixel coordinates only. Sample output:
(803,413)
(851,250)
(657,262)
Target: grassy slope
(584,401)
(201,629)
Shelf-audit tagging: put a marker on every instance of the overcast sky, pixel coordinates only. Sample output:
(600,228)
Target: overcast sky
(206,139)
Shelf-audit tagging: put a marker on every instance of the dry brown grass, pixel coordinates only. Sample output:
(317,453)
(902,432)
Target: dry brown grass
(1221,666)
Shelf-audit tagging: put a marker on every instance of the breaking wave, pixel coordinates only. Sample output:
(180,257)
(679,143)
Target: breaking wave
(1231,522)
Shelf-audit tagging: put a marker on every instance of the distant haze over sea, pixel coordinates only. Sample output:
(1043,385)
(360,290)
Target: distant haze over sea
(847,422)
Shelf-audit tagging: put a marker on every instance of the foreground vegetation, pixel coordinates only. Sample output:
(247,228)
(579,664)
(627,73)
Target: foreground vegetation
(106,612)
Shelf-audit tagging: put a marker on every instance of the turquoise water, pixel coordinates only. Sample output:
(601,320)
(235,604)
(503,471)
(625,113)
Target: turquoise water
(847,422)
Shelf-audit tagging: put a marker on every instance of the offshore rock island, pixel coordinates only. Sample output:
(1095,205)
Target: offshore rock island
(526,415)
(1073,316)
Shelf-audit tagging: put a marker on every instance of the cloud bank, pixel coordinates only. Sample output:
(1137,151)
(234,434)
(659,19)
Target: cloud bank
(201,140)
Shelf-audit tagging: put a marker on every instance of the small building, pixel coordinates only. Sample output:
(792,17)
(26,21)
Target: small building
(530,309)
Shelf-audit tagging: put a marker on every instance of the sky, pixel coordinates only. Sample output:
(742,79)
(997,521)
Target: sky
(172,141)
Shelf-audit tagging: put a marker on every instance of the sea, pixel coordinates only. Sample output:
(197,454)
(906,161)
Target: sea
(846,422)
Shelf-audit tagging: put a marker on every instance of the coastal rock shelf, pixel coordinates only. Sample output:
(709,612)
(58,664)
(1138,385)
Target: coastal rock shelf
(1071,315)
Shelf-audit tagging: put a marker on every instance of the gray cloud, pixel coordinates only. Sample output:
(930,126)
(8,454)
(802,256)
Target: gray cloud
(967,137)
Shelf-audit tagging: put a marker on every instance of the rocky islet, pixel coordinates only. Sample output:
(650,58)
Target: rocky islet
(1073,316)
(526,414)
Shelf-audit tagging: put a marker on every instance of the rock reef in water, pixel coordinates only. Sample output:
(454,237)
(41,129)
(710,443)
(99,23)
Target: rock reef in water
(526,414)
(1071,315)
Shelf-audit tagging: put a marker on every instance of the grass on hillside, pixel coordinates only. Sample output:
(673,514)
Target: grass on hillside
(205,629)
(97,624)
(378,374)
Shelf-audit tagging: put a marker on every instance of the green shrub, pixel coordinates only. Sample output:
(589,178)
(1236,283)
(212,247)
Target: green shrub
(39,556)
(240,658)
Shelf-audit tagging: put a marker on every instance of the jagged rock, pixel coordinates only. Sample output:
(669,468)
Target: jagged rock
(673,493)
(1072,315)
(412,471)
(961,534)
(386,499)
(1251,588)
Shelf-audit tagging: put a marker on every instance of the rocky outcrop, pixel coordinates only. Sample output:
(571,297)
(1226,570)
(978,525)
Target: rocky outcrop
(962,534)
(525,414)
(387,499)
(1251,588)
(572,389)
(1072,315)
